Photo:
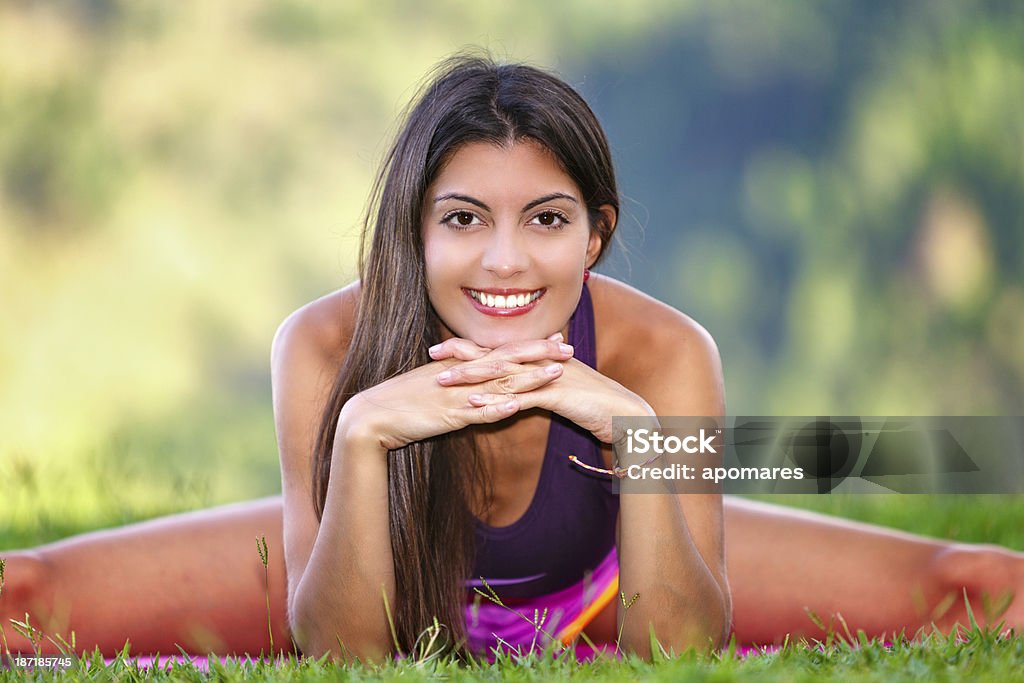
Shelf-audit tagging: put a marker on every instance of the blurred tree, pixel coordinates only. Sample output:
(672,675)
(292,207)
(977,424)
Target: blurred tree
(839,186)
(833,189)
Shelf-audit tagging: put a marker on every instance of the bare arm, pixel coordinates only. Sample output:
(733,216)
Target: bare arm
(339,567)
(302,373)
(671,547)
(337,604)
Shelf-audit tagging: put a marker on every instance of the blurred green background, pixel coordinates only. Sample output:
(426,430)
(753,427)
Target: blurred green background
(833,189)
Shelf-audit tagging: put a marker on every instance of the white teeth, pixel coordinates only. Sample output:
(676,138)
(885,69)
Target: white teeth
(503,301)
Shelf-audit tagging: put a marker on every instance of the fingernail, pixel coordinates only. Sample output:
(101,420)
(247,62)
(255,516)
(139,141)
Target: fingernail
(565,348)
(434,349)
(444,376)
(557,336)
(553,369)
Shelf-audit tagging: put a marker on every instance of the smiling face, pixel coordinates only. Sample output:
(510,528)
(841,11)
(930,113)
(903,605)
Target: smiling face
(506,238)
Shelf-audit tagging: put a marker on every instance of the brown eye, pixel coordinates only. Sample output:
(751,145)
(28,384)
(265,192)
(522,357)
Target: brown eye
(461,220)
(553,220)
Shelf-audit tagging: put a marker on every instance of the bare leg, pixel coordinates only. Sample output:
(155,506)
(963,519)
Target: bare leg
(193,579)
(196,579)
(783,562)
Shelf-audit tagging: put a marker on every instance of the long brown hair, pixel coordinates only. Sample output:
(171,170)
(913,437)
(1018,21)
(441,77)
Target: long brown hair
(430,483)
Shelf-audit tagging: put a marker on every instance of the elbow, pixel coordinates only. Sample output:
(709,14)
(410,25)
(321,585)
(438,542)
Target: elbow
(303,626)
(318,632)
(719,620)
(710,622)
(718,626)
(698,623)
(705,632)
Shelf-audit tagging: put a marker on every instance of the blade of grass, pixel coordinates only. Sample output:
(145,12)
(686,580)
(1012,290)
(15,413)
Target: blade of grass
(391,621)
(261,548)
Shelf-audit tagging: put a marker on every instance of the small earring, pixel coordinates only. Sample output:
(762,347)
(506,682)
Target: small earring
(586,274)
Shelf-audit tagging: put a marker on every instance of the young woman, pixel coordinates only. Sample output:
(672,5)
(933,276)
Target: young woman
(425,415)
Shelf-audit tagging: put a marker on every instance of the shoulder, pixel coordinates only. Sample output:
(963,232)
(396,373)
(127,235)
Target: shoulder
(632,324)
(307,353)
(319,331)
(656,351)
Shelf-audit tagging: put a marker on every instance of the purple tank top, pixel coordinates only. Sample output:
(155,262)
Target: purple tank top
(569,526)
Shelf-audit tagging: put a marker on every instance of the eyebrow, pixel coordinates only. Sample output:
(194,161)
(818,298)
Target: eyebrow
(529,205)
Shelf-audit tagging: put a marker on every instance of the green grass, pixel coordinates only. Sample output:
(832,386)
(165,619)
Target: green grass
(977,655)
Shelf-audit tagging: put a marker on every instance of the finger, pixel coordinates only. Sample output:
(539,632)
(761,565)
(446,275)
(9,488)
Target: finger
(462,349)
(524,381)
(532,351)
(537,398)
(480,371)
(550,396)
(492,412)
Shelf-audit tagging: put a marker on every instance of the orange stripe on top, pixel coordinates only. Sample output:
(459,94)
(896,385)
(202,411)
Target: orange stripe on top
(576,626)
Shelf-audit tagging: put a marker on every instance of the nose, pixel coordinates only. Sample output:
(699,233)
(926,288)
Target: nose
(506,253)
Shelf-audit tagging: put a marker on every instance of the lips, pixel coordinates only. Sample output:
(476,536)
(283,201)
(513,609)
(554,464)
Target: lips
(504,302)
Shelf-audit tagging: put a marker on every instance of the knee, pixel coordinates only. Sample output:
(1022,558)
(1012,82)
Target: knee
(26,582)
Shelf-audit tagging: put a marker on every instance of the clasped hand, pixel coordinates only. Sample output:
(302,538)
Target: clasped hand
(467,384)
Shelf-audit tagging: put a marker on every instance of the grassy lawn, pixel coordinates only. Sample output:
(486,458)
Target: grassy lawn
(980,656)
